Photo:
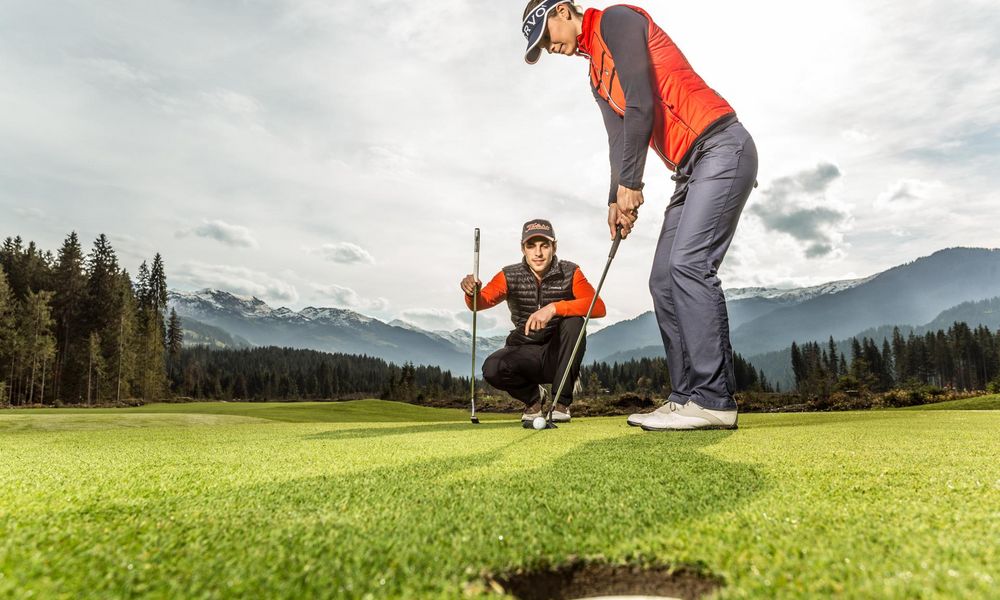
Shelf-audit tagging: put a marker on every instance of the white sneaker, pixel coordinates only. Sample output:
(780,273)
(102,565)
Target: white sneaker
(560,416)
(530,412)
(637,419)
(689,416)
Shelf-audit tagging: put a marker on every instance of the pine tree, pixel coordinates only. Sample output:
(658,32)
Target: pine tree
(70,287)
(834,365)
(102,272)
(175,335)
(123,346)
(40,342)
(798,365)
(7,337)
(152,332)
(95,369)
(899,361)
(158,293)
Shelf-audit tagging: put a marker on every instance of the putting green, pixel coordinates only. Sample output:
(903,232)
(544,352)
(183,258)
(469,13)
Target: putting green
(389,500)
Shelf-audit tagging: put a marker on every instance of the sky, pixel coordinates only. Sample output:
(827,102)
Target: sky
(341,153)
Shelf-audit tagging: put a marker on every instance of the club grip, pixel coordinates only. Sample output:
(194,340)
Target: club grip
(475,261)
(618,240)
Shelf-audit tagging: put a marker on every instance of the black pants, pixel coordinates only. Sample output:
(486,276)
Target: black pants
(518,370)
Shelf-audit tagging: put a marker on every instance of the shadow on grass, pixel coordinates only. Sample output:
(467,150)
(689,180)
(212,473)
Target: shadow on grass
(371,432)
(425,528)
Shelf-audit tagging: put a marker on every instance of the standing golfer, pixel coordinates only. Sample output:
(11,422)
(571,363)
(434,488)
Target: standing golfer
(650,95)
(548,299)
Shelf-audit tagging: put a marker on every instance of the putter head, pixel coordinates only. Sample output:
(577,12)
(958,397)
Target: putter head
(475,420)
(550,425)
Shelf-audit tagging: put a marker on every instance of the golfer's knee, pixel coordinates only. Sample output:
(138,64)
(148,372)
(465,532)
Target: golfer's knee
(685,268)
(492,368)
(659,281)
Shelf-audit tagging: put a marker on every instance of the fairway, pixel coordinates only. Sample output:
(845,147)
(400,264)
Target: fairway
(379,499)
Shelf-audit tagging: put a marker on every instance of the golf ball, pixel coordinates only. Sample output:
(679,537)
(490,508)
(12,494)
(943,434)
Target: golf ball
(538,423)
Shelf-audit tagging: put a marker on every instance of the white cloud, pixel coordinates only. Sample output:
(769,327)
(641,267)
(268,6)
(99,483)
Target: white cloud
(799,205)
(339,296)
(907,195)
(231,235)
(237,280)
(439,319)
(29,212)
(346,253)
(134,135)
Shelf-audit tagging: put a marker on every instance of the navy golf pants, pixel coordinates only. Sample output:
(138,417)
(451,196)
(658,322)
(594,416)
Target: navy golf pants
(520,369)
(698,226)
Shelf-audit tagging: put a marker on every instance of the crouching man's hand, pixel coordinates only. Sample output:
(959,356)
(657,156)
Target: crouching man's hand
(540,318)
(470,284)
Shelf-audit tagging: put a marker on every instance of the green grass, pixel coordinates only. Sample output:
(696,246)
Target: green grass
(981,403)
(388,500)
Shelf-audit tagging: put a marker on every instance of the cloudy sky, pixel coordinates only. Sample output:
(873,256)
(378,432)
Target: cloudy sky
(333,153)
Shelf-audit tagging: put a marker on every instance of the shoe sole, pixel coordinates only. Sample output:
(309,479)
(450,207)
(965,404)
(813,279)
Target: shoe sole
(725,427)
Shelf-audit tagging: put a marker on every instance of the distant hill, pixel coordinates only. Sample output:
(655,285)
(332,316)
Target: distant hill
(197,333)
(777,365)
(949,285)
(768,319)
(914,292)
(250,320)
(639,337)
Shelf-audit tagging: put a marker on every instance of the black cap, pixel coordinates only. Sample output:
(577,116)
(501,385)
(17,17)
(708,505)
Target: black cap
(537,228)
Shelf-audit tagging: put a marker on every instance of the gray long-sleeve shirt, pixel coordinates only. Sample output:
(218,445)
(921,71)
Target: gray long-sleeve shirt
(625,32)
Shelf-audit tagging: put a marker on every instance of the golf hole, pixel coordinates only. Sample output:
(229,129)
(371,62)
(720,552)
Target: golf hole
(579,580)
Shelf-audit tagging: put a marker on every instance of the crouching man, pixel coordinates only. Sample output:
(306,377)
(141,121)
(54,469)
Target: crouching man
(548,299)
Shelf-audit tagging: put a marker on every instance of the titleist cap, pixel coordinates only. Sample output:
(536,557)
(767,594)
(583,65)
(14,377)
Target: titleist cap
(537,228)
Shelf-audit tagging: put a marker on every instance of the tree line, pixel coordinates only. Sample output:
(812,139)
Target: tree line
(649,377)
(76,329)
(272,373)
(959,358)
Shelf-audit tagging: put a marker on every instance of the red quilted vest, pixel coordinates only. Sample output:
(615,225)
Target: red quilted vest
(685,106)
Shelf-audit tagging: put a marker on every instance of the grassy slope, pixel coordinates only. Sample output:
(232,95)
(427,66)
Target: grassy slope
(324,500)
(981,403)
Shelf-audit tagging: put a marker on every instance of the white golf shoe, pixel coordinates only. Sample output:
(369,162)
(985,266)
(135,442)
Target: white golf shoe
(561,413)
(676,417)
(636,419)
(530,412)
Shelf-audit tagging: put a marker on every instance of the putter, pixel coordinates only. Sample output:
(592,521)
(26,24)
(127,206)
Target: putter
(475,298)
(583,330)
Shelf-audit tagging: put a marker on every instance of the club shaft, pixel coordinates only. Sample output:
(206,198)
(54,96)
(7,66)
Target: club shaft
(475,308)
(583,330)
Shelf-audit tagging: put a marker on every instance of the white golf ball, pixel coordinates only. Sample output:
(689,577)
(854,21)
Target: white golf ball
(538,423)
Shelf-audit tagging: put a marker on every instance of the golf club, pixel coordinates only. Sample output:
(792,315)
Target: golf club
(583,330)
(475,298)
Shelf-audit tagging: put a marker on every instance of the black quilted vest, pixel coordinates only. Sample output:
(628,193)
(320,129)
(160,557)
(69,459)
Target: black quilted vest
(525,295)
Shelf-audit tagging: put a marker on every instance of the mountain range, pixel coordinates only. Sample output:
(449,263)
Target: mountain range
(921,294)
(221,319)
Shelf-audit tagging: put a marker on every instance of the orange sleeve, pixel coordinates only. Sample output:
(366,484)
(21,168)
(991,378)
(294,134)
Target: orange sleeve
(583,293)
(491,294)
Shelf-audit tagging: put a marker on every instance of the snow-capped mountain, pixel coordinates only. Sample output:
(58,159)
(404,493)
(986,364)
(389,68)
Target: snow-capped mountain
(248,319)
(761,319)
(768,319)
(795,294)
